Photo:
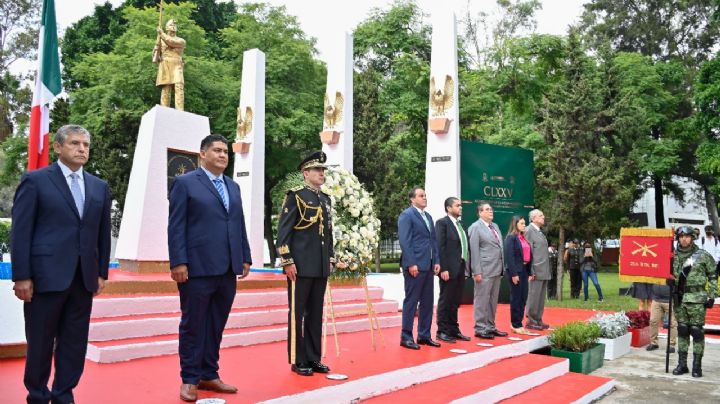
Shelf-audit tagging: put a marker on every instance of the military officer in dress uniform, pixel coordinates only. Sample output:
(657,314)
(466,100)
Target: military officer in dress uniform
(305,246)
(696,286)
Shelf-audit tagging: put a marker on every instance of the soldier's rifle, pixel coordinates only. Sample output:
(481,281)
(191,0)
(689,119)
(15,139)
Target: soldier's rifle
(157,50)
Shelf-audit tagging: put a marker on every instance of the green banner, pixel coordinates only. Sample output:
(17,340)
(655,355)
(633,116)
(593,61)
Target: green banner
(502,176)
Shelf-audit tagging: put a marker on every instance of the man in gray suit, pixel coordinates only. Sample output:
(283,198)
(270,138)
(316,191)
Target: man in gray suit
(486,262)
(540,273)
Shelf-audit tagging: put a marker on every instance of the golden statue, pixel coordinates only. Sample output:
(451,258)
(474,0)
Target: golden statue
(244,123)
(441,99)
(168,55)
(333,113)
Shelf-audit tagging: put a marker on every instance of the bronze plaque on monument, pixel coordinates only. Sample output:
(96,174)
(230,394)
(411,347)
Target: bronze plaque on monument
(180,162)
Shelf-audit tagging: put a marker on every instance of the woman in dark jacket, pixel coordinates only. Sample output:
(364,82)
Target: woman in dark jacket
(518,258)
(588,268)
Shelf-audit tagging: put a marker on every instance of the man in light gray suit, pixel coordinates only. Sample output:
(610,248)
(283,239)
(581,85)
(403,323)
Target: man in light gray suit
(540,273)
(486,262)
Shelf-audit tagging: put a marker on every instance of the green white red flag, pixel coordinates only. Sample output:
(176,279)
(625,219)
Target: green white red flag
(47,87)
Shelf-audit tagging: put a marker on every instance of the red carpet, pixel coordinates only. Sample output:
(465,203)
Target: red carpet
(261,372)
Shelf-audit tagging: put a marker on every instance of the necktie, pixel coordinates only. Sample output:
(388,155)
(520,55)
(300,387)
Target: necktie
(495,233)
(219,186)
(76,193)
(427,224)
(463,240)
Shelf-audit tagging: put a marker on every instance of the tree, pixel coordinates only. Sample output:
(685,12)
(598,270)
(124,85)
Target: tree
(675,34)
(392,61)
(18,40)
(587,181)
(662,29)
(294,91)
(118,88)
(707,122)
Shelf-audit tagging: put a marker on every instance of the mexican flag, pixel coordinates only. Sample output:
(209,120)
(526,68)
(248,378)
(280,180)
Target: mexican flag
(47,86)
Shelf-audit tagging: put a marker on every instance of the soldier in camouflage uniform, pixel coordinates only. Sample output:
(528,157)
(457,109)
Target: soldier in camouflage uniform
(695,288)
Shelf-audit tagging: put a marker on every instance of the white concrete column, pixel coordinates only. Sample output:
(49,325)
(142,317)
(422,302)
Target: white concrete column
(442,162)
(142,244)
(249,170)
(338,119)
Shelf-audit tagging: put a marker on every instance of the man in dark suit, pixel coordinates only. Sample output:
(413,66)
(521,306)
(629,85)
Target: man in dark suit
(61,251)
(486,252)
(208,249)
(454,258)
(420,259)
(305,246)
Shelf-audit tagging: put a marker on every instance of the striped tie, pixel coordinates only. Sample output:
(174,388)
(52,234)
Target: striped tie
(219,186)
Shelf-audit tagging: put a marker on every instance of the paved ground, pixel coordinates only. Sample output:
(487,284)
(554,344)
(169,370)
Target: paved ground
(641,377)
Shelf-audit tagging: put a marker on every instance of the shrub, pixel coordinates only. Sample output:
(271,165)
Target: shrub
(575,336)
(612,325)
(638,318)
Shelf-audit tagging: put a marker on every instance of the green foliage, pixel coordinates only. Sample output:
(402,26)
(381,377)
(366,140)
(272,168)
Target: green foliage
(575,336)
(664,29)
(4,236)
(392,60)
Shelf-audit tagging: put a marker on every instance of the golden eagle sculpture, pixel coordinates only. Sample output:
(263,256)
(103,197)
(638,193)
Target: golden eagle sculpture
(333,113)
(244,123)
(441,99)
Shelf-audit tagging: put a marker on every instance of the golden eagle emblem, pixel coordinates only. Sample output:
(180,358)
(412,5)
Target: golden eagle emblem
(244,123)
(441,98)
(333,113)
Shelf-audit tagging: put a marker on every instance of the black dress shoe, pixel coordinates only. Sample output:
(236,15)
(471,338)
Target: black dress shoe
(534,327)
(652,347)
(429,342)
(462,337)
(445,337)
(319,367)
(485,335)
(303,369)
(499,333)
(409,344)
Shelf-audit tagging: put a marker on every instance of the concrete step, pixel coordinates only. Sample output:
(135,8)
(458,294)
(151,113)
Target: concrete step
(488,384)
(127,305)
(143,347)
(147,325)
(439,366)
(568,388)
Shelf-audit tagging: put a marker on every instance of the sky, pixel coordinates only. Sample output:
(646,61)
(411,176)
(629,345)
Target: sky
(324,19)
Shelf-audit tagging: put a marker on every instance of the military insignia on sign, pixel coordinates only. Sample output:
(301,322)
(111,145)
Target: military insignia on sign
(644,250)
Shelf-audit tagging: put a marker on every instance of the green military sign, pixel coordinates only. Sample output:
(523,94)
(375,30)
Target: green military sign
(502,176)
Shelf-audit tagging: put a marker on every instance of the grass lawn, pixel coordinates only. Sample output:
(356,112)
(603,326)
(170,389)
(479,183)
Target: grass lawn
(610,284)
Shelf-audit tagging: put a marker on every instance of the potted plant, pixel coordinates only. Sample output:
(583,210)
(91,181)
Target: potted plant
(639,327)
(578,341)
(614,334)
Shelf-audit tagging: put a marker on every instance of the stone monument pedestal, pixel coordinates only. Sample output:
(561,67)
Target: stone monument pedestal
(167,146)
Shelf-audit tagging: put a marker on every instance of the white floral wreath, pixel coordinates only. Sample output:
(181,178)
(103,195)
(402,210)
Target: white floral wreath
(356,228)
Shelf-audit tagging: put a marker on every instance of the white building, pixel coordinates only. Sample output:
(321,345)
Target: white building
(691,211)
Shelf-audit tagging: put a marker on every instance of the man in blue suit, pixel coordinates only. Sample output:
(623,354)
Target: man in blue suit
(60,243)
(208,249)
(420,260)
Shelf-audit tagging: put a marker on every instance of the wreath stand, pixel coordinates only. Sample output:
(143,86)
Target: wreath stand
(329,315)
